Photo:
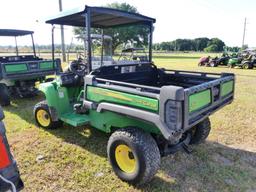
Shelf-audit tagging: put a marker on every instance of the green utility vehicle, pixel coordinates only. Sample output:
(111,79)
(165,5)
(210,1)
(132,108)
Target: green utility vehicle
(245,60)
(18,73)
(150,112)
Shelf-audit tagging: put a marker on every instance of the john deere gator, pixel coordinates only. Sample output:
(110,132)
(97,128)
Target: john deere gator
(149,112)
(19,72)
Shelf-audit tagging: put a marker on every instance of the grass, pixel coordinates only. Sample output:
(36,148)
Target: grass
(74,159)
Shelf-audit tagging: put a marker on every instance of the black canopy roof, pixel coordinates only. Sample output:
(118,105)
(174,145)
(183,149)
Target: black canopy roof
(101,17)
(14,32)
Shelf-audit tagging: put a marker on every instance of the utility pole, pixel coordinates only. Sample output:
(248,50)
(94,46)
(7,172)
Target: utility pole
(244,32)
(63,50)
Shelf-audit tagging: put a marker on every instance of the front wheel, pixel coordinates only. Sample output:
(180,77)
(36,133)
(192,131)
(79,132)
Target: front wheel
(213,64)
(43,116)
(201,131)
(134,155)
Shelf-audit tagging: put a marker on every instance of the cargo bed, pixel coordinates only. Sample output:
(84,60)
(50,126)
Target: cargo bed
(181,98)
(26,67)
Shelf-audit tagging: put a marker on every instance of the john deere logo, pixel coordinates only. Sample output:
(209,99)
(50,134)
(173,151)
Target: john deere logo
(124,98)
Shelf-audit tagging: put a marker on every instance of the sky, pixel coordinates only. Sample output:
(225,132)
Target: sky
(223,19)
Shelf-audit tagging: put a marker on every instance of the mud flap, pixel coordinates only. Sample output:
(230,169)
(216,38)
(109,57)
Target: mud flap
(9,173)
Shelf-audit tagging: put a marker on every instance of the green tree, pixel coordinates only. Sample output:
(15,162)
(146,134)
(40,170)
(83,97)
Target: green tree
(201,43)
(211,48)
(136,35)
(219,44)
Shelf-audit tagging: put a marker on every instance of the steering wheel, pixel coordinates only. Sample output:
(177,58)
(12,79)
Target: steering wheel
(78,67)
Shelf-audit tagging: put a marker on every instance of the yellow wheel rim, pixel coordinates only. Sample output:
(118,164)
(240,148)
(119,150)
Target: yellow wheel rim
(43,118)
(125,158)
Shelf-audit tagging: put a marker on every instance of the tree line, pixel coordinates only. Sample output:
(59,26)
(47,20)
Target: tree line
(198,44)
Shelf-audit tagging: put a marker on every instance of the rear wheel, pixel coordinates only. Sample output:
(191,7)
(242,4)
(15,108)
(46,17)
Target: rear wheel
(134,155)
(247,65)
(4,95)
(43,116)
(201,131)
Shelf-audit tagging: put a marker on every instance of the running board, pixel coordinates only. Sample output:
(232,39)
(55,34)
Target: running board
(75,119)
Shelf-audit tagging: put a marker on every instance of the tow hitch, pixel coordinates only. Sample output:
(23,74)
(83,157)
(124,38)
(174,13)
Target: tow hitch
(183,145)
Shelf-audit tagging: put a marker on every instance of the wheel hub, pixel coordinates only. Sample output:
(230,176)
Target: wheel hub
(125,158)
(43,118)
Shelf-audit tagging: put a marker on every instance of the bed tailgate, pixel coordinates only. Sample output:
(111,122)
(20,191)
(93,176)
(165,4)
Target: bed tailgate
(29,69)
(202,100)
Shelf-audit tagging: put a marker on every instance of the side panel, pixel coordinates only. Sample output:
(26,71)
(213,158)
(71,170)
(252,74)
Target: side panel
(46,65)
(226,88)
(199,100)
(105,120)
(17,68)
(97,94)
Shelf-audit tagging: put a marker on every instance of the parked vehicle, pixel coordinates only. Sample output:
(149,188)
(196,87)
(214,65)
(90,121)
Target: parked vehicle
(133,54)
(215,62)
(204,61)
(150,112)
(9,173)
(246,61)
(18,73)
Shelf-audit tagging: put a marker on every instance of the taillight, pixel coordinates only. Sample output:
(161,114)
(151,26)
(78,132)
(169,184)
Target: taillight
(4,157)
(173,115)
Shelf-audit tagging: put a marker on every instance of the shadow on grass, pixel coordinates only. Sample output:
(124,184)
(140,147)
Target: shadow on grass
(210,167)
(86,137)
(23,107)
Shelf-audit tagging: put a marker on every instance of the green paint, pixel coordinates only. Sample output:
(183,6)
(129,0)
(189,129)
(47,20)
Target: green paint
(17,68)
(57,98)
(75,119)
(233,61)
(61,98)
(226,88)
(106,120)
(105,95)
(46,65)
(199,100)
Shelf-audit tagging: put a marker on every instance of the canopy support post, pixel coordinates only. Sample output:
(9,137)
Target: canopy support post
(102,46)
(16,47)
(33,44)
(88,37)
(150,41)
(53,43)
